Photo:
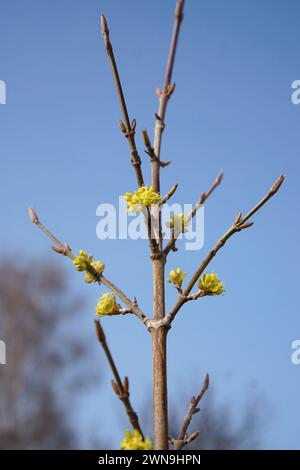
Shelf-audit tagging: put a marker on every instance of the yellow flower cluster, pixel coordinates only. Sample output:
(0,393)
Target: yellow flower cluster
(211,285)
(134,441)
(142,197)
(81,263)
(99,267)
(176,278)
(107,305)
(179,223)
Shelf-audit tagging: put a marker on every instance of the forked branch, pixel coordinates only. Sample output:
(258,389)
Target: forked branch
(240,223)
(64,249)
(171,245)
(183,437)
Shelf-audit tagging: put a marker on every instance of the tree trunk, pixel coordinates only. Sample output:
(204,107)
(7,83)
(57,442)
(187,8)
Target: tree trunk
(159,340)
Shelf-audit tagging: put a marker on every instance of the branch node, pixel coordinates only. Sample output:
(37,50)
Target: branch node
(157,255)
(160,124)
(62,250)
(155,324)
(238,218)
(128,134)
(135,158)
(170,90)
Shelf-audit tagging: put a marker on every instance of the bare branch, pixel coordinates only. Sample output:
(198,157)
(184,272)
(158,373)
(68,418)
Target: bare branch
(164,96)
(195,296)
(63,248)
(171,245)
(271,193)
(169,194)
(183,438)
(205,195)
(132,304)
(124,311)
(238,225)
(121,389)
(150,150)
(127,128)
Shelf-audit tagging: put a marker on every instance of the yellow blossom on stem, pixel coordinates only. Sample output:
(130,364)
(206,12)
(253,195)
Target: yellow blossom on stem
(211,285)
(99,267)
(80,262)
(179,223)
(176,278)
(107,305)
(134,441)
(142,197)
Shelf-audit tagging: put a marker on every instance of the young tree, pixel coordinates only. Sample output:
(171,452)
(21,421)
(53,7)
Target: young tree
(150,202)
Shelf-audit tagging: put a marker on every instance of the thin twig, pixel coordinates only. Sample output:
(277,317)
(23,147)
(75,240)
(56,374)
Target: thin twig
(168,195)
(150,150)
(64,249)
(164,96)
(121,389)
(195,296)
(131,303)
(240,223)
(205,195)
(128,128)
(183,438)
(171,245)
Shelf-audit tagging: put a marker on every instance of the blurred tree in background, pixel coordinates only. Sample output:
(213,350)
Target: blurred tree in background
(41,349)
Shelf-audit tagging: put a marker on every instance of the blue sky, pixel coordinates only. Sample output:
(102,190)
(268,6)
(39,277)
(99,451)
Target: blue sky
(62,152)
